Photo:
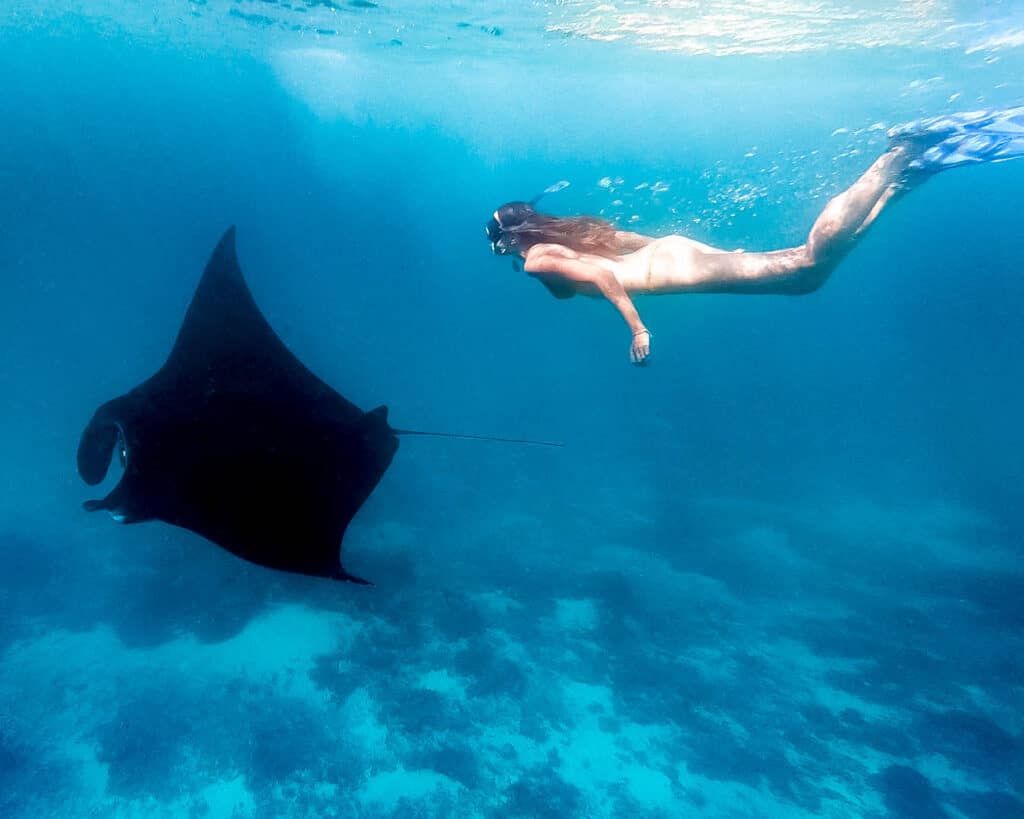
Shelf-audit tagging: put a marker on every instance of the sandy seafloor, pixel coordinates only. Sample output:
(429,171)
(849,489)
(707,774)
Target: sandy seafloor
(775,574)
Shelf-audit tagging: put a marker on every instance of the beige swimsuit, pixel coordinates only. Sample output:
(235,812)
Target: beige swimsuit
(662,263)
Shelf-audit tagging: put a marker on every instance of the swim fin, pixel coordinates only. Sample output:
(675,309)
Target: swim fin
(966,138)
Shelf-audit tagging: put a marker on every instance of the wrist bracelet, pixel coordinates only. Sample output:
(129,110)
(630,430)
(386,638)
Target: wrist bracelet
(638,332)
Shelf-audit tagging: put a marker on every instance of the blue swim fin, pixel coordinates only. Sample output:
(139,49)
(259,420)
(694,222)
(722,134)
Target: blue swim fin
(952,140)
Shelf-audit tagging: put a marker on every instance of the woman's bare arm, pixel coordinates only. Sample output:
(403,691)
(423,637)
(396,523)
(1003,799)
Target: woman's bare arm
(564,267)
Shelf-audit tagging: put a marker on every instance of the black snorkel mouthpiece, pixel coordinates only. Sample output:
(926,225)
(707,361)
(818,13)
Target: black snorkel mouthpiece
(494,236)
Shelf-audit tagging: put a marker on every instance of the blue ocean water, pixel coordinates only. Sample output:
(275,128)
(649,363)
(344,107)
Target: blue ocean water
(775,574)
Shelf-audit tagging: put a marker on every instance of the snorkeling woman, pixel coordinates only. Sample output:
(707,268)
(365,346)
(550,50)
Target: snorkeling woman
(588,256)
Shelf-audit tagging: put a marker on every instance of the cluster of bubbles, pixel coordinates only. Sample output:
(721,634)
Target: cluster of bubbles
(738,198)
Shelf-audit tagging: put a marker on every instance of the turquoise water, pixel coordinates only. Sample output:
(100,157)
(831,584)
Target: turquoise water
(775,574)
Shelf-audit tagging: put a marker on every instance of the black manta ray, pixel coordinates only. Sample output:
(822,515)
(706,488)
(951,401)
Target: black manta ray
(234,439)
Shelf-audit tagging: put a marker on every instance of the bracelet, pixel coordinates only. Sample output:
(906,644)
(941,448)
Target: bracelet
(645,330)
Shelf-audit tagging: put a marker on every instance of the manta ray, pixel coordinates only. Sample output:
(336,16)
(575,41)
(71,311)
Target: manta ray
(236,440)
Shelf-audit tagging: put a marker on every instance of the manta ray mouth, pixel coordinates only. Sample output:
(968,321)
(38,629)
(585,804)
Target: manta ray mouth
(121,446)
(104,436)
(103,439)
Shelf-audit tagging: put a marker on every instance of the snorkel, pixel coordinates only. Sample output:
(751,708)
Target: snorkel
(560,185)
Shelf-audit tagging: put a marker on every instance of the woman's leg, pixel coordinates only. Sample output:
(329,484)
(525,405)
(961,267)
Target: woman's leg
(919,149)
(848,215)
(805,268)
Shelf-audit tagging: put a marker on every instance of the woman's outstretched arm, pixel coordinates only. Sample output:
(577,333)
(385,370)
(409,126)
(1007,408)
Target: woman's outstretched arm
(563,266)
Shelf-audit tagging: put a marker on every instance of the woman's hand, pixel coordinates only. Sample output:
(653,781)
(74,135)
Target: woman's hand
(640,352)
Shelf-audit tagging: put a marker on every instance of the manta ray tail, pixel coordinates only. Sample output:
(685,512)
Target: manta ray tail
(469,436)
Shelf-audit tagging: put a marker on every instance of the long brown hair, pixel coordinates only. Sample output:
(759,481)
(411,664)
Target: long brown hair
(522,227)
